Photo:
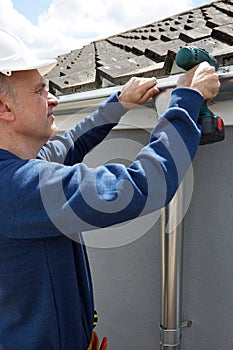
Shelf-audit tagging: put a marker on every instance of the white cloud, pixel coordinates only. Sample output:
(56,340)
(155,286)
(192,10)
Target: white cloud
(70,24)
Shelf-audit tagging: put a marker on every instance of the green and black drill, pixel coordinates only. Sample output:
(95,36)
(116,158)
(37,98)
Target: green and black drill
(212,125)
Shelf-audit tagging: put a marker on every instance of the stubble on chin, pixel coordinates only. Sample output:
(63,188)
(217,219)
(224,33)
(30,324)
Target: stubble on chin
(54,131)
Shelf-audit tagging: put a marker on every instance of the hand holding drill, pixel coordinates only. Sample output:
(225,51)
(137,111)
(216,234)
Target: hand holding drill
(202,78)
(200,66)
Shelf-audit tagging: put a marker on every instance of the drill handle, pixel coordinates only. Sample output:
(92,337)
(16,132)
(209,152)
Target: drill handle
(205,111)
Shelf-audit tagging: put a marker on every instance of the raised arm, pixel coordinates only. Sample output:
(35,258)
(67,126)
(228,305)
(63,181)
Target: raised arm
(72,147)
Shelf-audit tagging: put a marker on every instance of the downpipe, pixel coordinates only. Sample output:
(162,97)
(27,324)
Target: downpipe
(172,273)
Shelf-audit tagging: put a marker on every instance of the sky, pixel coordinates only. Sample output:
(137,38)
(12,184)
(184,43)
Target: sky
(54,27)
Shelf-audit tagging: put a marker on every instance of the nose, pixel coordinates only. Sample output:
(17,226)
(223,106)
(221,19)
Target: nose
(52,100)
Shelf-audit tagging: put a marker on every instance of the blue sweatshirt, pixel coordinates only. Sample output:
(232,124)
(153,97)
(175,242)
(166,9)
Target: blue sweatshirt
(46,297)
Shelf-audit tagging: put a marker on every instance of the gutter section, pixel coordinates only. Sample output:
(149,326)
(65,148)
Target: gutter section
(74,107)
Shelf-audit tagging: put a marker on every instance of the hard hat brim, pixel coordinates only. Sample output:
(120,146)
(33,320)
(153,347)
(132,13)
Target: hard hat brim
(47,66)
(43,66)
(16,56)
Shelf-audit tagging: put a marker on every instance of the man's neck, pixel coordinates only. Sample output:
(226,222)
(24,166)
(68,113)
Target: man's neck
(22,149)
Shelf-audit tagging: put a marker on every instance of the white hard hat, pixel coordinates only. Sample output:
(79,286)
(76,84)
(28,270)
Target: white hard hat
(16,56)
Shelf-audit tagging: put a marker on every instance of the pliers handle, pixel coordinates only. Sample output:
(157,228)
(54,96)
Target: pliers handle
(104,344)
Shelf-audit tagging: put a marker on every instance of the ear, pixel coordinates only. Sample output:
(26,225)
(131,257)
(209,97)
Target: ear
(5,111)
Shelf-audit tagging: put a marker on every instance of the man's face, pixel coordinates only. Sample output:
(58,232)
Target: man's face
(33,107)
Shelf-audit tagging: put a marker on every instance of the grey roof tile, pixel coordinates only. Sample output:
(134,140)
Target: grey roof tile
(147,50)
(224,33)
(195,34)
(159,50)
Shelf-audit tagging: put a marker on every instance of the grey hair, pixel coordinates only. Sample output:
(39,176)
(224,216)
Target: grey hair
(7,86)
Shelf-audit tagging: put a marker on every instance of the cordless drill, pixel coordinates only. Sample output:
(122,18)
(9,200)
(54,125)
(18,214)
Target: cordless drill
(212,125)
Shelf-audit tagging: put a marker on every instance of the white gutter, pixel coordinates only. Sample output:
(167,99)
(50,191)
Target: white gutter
(74,107)
(163,83)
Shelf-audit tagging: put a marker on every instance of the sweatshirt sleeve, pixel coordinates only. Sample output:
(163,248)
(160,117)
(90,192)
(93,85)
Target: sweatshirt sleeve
(67,199)
(72,147)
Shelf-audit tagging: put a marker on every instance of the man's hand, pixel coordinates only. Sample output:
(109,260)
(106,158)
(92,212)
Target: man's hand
(138,91)
(202,78)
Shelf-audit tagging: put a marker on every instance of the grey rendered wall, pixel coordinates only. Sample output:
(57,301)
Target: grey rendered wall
(208,250)
(127,278)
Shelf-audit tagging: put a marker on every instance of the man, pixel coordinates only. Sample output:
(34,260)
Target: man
(48,194)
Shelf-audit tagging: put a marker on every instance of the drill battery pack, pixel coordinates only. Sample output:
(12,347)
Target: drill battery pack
(212,129)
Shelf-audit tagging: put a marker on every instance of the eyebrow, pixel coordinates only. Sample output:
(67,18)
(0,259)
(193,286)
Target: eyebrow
(41,84)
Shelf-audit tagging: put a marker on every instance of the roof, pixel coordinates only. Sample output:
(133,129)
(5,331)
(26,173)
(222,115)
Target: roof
(146,51)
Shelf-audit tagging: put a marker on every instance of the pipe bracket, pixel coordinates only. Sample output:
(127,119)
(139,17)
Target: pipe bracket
(170,337)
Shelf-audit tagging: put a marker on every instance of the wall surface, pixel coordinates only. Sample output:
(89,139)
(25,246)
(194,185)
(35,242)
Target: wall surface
(126,277)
